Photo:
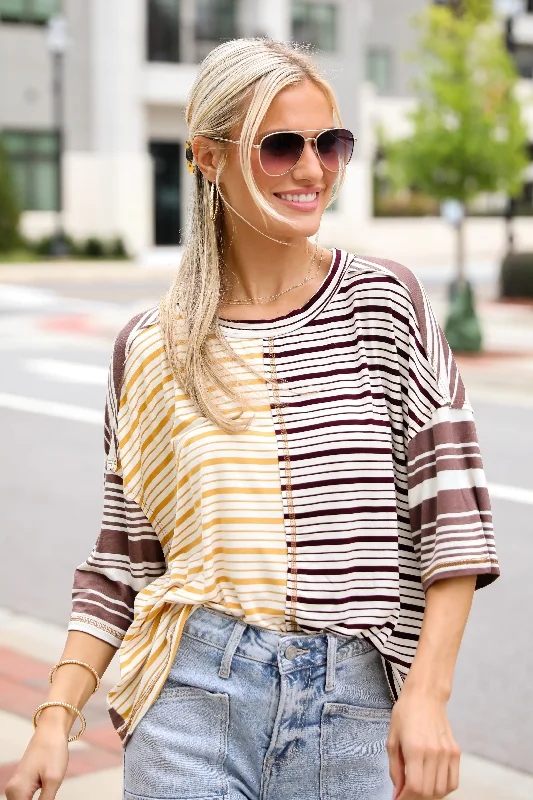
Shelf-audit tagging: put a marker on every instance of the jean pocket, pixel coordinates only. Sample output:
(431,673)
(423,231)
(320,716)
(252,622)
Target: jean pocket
(354,763)
(178,749)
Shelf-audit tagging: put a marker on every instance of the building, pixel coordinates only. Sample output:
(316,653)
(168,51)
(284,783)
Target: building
(128,68)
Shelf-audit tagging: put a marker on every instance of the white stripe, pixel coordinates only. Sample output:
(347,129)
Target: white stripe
(61,410)
(67,371)
(512,493)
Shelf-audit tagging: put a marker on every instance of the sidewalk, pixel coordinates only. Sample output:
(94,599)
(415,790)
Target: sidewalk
(29,647)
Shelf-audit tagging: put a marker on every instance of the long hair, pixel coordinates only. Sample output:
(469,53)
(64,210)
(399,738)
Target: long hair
(235,84)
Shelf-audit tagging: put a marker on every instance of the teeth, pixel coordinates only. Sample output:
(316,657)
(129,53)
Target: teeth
(299,198)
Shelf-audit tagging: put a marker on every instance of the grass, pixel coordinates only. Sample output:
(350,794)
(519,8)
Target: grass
(27,256)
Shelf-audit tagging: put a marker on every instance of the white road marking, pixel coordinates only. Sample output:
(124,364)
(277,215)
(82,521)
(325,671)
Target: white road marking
(67,371)
(512,493)
(32,298)
(32,405)
(50,409)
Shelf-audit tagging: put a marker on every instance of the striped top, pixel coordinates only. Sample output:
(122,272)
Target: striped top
(358,484)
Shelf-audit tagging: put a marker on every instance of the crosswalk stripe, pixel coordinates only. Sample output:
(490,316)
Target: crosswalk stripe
(67,371)
(49,408)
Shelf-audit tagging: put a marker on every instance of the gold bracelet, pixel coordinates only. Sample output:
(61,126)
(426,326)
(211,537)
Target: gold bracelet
(64,705)
(80,664)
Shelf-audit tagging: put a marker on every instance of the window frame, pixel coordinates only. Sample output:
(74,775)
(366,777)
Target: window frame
(30,159)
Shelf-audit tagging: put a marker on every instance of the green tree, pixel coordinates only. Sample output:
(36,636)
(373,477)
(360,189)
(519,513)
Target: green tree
(468,135)
(9,207)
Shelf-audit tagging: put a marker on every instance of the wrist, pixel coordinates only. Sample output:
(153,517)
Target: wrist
(428,687)
(56,718)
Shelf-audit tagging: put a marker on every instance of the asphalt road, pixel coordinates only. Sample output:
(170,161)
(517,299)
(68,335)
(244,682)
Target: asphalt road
(51,493)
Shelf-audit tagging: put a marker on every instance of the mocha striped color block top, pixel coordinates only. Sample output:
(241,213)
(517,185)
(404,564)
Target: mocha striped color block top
(358,484)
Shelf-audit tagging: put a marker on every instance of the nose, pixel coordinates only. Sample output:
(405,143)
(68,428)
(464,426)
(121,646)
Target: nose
(309,166)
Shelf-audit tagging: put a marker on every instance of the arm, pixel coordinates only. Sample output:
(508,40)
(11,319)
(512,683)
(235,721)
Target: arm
(424,756)
(126,557)
(45,761)
(451,528)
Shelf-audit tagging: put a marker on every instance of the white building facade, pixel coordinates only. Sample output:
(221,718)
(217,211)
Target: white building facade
(128,69)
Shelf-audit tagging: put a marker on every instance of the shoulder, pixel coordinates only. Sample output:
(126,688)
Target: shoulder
(395,279)
(392,274)
(133,331)
(125,341)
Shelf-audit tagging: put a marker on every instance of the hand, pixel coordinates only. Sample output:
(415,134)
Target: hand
(423,754)
(43,765)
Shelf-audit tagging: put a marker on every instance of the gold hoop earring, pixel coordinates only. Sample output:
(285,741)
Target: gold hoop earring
(214,201)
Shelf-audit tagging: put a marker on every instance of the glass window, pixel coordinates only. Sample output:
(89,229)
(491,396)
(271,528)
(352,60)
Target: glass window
(34,162)
(164,30)
(379,69)
(32,11)
(215,20)
(315,24)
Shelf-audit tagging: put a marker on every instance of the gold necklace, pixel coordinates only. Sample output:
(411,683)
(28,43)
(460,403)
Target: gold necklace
(275,296)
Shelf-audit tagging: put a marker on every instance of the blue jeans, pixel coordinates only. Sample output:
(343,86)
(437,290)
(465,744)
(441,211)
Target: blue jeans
(248,713)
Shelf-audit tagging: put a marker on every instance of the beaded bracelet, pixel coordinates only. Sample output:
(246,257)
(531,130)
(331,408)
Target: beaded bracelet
(80,664)
(64,705)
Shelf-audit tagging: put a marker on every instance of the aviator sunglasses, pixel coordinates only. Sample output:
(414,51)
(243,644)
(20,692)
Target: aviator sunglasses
(279,152)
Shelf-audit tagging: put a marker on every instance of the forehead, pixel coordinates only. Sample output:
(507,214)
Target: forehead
(303,106)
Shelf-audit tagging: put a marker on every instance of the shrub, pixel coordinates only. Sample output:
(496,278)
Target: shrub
(9,207)
(516,276)
(117,248)
(92,248)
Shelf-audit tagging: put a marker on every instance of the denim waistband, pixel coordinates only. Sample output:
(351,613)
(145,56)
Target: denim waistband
(288,650)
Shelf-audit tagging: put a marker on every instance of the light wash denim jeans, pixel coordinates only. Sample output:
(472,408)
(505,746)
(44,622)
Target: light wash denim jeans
(247,713)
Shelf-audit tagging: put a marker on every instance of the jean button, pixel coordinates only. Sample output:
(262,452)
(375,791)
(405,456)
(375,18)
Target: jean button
(291,652)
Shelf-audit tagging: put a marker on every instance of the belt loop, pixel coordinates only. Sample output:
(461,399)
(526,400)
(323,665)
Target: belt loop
(331,660)
(231,646)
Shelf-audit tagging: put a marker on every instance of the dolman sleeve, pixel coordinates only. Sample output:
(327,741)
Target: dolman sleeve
(449,505)
(127,555)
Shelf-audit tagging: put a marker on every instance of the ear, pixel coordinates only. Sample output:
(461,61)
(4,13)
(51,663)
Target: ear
(207,155)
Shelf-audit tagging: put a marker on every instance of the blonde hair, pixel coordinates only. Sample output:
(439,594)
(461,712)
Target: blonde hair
(236,82)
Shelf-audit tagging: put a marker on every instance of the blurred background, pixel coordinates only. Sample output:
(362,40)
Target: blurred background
(93,206)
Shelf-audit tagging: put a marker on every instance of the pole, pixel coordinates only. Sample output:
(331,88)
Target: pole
(460,242)
(59,246)
(57,45)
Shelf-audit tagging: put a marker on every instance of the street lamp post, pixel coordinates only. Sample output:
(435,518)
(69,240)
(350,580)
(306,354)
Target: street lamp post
(509,9)
(57,46)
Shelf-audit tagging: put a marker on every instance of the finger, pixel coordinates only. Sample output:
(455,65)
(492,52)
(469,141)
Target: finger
(396,765)
(430,775)
(442,778)
(17,790)
(414,773)
(51,784)
(454,772)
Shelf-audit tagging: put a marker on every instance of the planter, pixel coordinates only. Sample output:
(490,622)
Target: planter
(516,275)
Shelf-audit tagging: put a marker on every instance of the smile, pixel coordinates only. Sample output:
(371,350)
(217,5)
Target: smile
(299,198)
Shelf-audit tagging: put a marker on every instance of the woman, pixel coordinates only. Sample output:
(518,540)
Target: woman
(296,515)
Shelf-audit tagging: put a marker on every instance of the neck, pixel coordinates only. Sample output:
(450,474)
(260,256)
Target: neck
(258,267)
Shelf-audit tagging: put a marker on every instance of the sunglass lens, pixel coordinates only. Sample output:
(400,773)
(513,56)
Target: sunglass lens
(280,152)
(335,148)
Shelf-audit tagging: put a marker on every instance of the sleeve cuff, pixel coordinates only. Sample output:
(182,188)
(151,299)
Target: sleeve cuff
(96,627)
(486,573)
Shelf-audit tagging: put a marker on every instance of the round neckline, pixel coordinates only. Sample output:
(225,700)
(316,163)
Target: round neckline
(294,319)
